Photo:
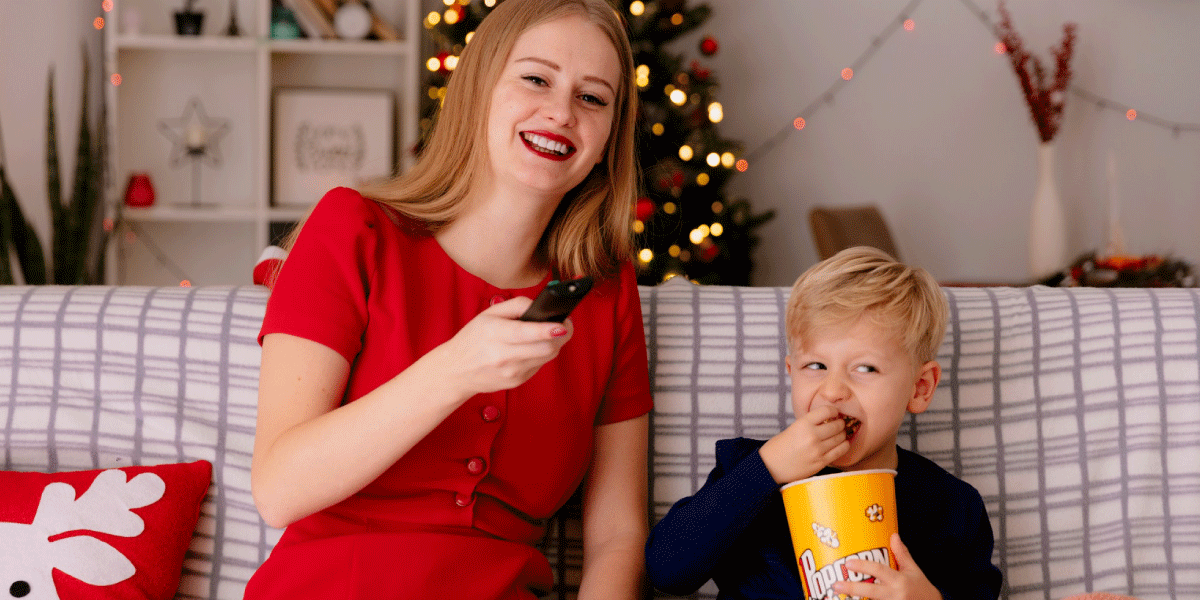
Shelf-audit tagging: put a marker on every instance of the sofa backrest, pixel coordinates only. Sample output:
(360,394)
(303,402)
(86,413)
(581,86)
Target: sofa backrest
(1075,412)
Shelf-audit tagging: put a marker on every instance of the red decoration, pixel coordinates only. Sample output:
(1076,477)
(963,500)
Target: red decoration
(645,208)
(709,251)
(708,45)
(700,73)
(139,192)
(442,56)
(1045,98)
(677,178)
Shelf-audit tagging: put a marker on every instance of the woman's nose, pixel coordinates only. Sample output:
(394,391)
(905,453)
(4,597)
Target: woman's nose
(560,109)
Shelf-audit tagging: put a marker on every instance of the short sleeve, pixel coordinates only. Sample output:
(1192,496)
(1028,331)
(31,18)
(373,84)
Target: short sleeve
(628,391)
(321,291)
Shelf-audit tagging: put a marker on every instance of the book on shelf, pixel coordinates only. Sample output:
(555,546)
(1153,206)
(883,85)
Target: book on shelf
(312,20)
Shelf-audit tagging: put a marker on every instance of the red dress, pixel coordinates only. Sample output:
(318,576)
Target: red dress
(459,514)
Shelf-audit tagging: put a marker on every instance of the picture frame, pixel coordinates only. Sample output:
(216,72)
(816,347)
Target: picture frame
(325,138)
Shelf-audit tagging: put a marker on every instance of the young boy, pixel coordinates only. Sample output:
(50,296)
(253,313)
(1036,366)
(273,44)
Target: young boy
(863,331)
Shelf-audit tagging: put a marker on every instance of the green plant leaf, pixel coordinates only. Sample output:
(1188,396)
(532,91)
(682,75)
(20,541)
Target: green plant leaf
(20,237)
(71,260)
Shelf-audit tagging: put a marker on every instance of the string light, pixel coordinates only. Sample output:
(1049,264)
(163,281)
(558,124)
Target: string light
(638,226)
(98,23)
(715,112)
(470,35)
(713,159)
(686,153)
(798,123)
(1131,114)
(432,19)
(673,251)
(637,8)
(669,208)
(646,255)
(1000,48)
(448,2)
(451,15)
(451,62)
(727,160)
(717,229)
(702,179)
(433,92)
(909,25)
(115,79)
(742,165)
(678,97)
(677,19)
(717,207)
(433,64)
(657,129)
(187,283)
(107,5)
(109,224)
(847,73)
(489,3)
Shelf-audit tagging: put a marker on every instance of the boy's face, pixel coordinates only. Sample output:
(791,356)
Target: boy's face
(862,370)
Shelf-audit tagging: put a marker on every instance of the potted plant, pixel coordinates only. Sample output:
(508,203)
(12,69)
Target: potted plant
(189,21)
(78,241)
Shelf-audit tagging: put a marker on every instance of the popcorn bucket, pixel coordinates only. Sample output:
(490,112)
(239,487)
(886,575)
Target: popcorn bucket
(838,517)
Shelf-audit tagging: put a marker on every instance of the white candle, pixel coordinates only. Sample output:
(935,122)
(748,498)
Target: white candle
(196,136)
(1116,238)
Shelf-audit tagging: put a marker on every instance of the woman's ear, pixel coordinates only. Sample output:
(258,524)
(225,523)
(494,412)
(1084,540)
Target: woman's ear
(927,380)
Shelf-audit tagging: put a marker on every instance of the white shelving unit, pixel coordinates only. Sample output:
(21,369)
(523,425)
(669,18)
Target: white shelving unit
(218,241)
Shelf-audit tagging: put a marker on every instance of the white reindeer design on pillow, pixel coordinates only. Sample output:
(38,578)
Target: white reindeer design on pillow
(27,554)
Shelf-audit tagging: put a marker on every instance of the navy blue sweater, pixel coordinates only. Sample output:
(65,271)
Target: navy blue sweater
(734,531)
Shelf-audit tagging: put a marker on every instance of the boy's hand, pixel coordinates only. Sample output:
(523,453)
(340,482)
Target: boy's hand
(806,446)
(908,582)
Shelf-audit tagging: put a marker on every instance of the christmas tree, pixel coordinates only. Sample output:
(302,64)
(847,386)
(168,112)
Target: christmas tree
(685,224)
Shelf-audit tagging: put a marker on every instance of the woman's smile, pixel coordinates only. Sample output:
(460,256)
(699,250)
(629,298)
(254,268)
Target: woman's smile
(548,145)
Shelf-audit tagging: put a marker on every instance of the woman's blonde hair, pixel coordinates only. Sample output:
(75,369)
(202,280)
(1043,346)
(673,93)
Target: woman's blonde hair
(591,232)
(866,281)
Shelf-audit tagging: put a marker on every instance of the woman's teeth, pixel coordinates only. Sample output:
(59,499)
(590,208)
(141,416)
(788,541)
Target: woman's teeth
(544,144)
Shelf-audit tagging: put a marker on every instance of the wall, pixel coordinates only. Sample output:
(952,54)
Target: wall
(935,130)
(35,34)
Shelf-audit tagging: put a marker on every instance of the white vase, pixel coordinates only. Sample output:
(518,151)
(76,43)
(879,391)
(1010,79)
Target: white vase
(1047,221)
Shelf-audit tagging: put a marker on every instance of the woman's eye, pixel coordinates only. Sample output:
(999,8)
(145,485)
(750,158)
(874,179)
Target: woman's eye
(534,79)
(591,99)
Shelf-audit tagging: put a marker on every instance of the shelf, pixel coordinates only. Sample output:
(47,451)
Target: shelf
(288,213)
(186,43)
(364,47)
(191,214)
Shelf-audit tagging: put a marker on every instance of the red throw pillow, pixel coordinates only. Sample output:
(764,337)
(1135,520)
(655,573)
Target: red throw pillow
(114,533)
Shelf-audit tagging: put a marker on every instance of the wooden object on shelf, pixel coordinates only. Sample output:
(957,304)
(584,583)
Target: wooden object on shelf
(379,27)
(836,228)
(312,19)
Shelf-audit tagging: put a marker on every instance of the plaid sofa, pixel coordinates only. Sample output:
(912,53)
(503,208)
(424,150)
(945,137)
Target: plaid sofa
(1075,412)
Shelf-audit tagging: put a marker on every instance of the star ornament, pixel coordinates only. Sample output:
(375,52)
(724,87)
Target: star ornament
(194,135)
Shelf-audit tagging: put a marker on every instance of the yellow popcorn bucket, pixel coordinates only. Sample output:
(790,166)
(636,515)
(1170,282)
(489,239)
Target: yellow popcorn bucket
(838,517)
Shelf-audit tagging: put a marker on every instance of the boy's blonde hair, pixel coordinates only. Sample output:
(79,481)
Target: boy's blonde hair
(866,281)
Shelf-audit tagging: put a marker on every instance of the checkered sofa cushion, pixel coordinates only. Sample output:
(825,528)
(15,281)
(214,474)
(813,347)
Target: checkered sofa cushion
(1076,413)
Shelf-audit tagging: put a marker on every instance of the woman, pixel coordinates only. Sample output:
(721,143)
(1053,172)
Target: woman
(413,435)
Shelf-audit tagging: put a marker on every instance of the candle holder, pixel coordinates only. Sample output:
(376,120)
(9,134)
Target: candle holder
(194,136)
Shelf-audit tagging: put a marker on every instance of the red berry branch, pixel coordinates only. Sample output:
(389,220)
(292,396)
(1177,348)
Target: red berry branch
(1045,98)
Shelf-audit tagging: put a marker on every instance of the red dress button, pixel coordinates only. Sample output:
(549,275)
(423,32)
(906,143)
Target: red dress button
(497,299)
(463,500)
(490,413)
(475,466)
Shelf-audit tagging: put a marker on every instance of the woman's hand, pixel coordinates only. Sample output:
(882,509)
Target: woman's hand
(808,445)
(495,351)
(908,582)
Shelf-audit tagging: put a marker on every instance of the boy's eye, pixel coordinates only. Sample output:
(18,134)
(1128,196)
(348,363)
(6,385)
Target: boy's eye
(866,369)
(814,366)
